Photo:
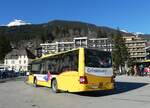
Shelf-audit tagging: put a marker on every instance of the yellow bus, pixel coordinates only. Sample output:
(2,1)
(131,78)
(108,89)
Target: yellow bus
(77,70)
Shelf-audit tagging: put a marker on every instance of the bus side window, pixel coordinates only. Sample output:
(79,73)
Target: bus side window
(49,64)
(42,68)
(56,65)
(60,65)
(74,61)
(71,61)
(52,68)
(46,67)
(66,63)
(35,68)
(63,64)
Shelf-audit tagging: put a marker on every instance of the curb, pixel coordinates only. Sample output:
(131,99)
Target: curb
(11,79)
(4,80)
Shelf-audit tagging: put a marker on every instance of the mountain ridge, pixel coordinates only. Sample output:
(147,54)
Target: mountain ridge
(56,30)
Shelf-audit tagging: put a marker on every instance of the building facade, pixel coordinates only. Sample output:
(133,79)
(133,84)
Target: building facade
(49,48)
(17,60)
(81,42)
(104,44)
(136,48)
(100,43)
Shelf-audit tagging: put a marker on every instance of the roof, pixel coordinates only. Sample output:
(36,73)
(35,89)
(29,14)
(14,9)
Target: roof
(147,60)
(15,53)
(80,38)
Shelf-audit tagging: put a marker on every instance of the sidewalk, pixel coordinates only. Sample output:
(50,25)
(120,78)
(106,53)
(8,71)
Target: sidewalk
(140,79)
(10,79)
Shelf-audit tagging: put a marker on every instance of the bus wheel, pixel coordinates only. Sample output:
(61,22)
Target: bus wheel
(54,86)
(35,83)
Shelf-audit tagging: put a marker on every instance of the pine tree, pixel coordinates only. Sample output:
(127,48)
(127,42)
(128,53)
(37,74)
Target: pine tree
(101,33)
(5,47)
(120,53)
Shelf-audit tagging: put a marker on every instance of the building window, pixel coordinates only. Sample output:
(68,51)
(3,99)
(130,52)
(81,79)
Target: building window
(20,69)
(24,61)
(19,61)
(25,68)
(12,62)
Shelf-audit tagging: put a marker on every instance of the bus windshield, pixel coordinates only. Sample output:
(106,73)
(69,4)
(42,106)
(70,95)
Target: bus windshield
(97,59)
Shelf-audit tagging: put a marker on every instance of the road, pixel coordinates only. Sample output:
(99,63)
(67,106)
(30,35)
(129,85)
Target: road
(131,92)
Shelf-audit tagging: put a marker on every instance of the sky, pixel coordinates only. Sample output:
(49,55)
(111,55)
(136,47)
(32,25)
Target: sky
(130,15)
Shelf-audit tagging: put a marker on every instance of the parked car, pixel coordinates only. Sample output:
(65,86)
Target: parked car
(8,74)
(0,74)
(3,75)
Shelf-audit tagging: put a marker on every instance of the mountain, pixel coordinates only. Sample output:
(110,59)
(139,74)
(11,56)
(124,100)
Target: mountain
(22,34)
(17,22)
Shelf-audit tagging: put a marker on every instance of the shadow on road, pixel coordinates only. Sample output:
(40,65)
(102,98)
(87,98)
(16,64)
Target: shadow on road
(121,87)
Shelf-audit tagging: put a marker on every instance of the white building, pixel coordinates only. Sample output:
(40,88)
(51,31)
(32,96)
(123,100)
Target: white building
(17,60)
(99,43)
(48,48)
(81,42)
(104,44)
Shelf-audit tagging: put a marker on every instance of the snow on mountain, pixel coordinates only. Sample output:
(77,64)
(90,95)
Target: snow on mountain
(124,31)
(17,22)
(134,33)
(137,33)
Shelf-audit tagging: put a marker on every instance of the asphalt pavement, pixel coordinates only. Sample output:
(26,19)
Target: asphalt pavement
(130,92)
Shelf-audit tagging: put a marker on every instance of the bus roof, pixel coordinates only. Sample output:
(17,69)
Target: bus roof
(147,60)
(49,55)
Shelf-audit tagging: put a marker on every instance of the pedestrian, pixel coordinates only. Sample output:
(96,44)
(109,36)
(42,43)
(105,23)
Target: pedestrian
(146,69)
(27,76)
(148,72)
(135,68)
(141,67)
(130,71)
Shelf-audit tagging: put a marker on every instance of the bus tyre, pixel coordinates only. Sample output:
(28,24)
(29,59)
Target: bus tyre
(54,86)
(35,83)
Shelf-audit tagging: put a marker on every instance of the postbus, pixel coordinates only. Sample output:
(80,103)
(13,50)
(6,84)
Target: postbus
(77,70)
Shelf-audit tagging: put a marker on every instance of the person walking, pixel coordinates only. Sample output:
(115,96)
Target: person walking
(135,68)
(148,71)
(141,68)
